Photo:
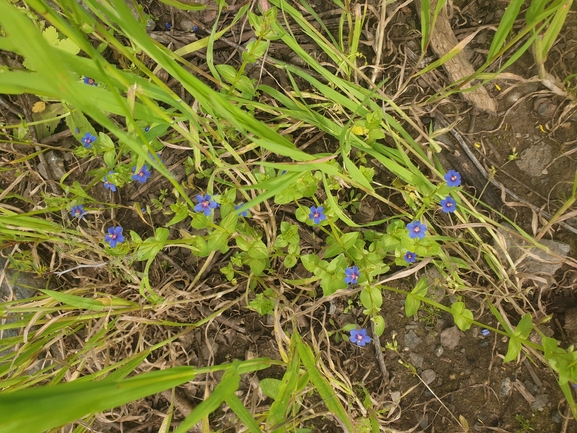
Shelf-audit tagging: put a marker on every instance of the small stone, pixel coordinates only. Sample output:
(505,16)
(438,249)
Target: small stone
(416,360)
(450,338)
(424,422)
(186,25)
(556,418)
(506,387)
(428,376)
(412,340)
(438,350)
(540,402)
(534,159)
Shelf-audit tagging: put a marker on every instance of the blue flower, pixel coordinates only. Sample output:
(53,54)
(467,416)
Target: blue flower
(205,204)
(448,204)
(243,213)
(114,236)
(194,28)
(88,139)
(77,211)
(107,184)
(410,257)
(453,178)
(360,337)
(416,230)
(147,128)
(168,26)
(485,332)
(89,81)
(352,275)
(317,214)
(141,175)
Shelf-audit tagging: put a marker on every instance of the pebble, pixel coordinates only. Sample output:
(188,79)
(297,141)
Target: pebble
(439,350)
(450,337)
(534,159)
(416,360)
(424,422)
(541,400)
(187,25)
(428,376)
(412,340)
(506,388)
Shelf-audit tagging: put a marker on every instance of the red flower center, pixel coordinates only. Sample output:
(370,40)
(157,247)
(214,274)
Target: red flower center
(205,204)
(453,178)
(317,215)
(360,337)
(114,236)
(417,229)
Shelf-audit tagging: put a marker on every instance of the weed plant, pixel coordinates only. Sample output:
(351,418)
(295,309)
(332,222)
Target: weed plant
(245,161)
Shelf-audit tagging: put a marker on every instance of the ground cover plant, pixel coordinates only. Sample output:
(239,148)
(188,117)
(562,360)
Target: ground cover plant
(174,192)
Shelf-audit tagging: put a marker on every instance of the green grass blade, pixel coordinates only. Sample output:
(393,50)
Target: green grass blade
(243,414)
(322,385)
(227,386)
(278,410)
(505,27)
(61,404)
(555,27)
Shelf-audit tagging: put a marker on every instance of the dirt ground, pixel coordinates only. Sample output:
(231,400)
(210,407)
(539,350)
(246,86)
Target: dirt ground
(440,378)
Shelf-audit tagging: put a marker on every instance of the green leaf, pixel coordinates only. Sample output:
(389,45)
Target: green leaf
(270,387)
(185,5)
(290,261)
(217,239)
(229,223)
(412,304)
(110,158)
(379,324)
(69,46)
(285,395)
(227,72)
(257,266)
(64,403)
(180,210)
(246,86)
(517,338)
(242,243)
(349,239)
(258,250)
(161,235)
(255,50)
(505,26)
(310,262)
(148,249)
(74,301)
(463,317)
(225,389)
(371,297)
(322,385)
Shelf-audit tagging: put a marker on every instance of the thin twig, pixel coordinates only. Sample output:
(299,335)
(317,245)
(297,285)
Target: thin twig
(380,358)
